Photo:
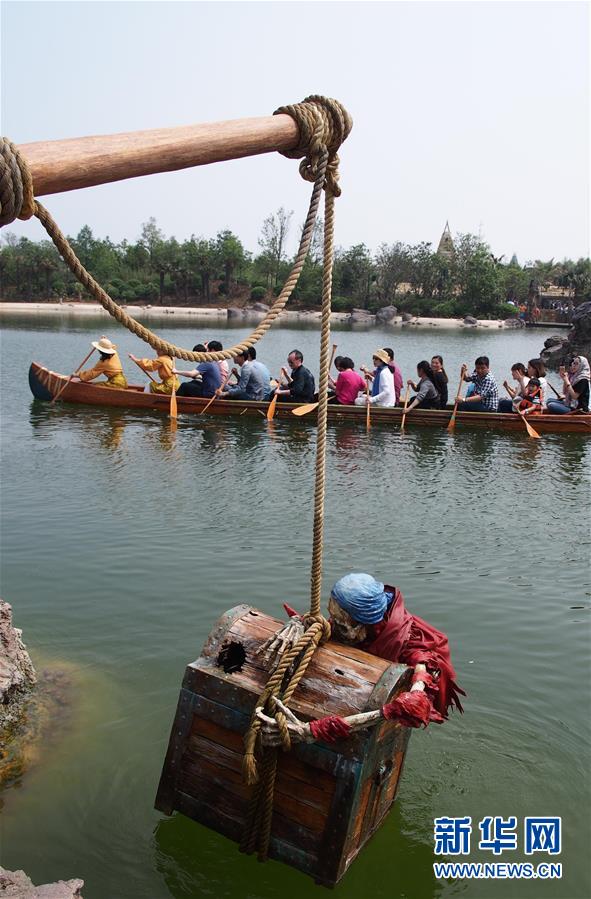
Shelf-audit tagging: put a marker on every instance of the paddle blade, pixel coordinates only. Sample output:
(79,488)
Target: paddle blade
(173,405)
(452,422)
(531,431)
(271,408)
(303,410)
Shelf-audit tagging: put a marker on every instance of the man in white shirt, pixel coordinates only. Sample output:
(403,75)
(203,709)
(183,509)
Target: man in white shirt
(382,391)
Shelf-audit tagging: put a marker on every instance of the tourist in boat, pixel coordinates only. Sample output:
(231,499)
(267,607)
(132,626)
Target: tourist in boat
(427,395)
(531,402)
(214,346)
(396,373)
(163,365)
(440,379)
(349,382)
(575,386)
(262,368)
(301,386)
(485,397)
(109,365)
(205,377)
(382,388)
(520,376)
(537,369)
(251,382)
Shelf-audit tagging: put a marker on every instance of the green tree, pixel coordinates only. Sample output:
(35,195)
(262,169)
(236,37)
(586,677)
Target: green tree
(231,255)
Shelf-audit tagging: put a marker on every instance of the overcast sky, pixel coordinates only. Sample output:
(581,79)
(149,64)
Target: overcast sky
(468,111)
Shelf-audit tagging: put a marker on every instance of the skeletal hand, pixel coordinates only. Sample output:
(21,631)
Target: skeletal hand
(280,642)
(299,732)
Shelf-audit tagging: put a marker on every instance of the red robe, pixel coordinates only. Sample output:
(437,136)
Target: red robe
(406,638)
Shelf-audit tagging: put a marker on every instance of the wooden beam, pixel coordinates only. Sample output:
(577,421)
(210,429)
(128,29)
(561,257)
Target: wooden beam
(63,165)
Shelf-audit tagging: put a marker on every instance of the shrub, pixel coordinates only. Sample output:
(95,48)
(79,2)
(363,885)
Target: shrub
(445,310)
(343,304)
(504,310)
(258,292)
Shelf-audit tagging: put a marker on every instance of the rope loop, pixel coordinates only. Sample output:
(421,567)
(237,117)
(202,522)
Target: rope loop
(16,184)
(322,622)
(323,124)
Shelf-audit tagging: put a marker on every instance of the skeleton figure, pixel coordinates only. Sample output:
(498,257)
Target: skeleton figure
(371,615)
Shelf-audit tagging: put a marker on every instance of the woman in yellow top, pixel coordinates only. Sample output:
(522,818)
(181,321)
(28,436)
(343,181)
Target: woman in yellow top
(162,364)
(109,365)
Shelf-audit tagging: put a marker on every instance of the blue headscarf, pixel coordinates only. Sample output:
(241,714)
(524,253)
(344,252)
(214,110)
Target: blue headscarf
(362,597)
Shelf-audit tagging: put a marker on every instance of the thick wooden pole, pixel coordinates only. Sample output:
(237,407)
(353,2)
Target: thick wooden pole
(62,165)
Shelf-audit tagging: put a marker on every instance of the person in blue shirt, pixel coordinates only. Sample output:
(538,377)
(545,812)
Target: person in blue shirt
(205,378)
(258,365)
(251,383)
(485,397)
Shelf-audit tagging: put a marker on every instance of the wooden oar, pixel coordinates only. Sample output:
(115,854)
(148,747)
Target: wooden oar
(368,408)
(143,369)
(273,403)
(173,405)
(405,405)
(531,431)
(309,407)
(215,396)
(452,422)
(559,395)
(73,375)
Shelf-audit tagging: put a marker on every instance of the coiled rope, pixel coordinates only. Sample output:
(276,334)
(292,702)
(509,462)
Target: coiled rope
(323,125)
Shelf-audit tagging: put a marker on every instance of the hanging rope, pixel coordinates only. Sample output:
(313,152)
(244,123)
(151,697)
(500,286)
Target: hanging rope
(292,667)
(323,125)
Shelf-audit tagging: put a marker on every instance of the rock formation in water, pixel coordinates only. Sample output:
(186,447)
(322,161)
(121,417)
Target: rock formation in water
(557,349)
(17,675)
(16,884)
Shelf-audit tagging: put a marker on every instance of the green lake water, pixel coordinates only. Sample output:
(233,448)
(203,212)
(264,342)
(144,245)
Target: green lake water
(122,544)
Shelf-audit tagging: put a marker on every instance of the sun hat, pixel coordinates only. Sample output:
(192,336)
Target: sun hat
(104,345)
(382,356)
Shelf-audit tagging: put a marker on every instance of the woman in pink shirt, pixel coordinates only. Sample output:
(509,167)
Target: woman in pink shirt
(349,382)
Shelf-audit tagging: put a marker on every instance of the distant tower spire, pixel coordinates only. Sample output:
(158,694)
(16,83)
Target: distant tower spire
(446,245)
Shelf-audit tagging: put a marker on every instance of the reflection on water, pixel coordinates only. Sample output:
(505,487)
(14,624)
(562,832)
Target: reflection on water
(123,541)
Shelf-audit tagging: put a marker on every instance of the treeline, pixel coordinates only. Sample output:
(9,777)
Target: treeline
(201,271)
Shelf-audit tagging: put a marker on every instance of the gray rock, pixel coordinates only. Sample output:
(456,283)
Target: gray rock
(16,884)
(386,314)
(17,675)
(555,340)
(470,320)
(514,323)
(407,317)
(361,317)
(260,307)
(235,313)
(577,343)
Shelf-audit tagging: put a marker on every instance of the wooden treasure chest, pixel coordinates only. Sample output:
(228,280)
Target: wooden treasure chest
(329,799)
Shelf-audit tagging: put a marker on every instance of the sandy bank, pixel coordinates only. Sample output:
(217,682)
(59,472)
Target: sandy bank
(143,313)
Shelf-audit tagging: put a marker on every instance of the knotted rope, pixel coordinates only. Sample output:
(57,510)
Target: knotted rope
(323,125)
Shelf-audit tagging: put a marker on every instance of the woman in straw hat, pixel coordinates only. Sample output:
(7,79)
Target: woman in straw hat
(382,391)
(164,366)
(109,365)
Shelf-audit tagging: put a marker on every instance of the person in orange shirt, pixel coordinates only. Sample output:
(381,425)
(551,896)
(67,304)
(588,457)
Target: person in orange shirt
(163,365)
(109,365)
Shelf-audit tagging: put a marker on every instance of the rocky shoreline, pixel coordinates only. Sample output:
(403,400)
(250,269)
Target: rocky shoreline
(388,316)
(17,682)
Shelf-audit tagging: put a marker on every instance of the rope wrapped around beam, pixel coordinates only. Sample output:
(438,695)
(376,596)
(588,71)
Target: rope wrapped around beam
(323,125)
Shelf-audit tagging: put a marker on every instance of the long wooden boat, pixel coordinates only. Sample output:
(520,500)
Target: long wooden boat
(45,384)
